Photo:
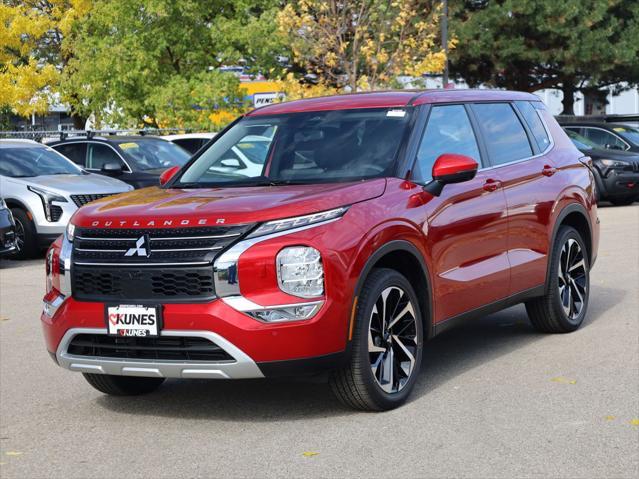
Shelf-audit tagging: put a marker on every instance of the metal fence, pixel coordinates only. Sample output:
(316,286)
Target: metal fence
(40,135)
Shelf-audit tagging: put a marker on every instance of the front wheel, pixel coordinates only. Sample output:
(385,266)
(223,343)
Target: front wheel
(563,308)
(122,385)
(387,345)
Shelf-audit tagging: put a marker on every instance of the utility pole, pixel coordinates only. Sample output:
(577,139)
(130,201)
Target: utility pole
(445,40)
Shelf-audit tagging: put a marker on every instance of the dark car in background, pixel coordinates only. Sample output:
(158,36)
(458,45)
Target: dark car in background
(136,160)
(609,136)
(616,172)
(7,230)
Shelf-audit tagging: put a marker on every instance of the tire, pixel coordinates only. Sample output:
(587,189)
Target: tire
(559,310)
(122,385)
(622,201)
(26,236)
(356,385)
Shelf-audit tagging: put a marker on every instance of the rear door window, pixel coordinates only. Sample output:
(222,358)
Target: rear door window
(448,131)
(504,134)
(99,155)
(536,126)
(76,152)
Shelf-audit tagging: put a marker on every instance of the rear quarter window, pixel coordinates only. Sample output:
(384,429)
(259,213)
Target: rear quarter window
(536,126)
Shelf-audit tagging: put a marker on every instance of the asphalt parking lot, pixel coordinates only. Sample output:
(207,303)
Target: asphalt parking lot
(495,399)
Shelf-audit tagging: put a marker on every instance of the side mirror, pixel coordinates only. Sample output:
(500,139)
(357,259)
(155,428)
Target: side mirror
(231,163)
(168,174)
(451,168)
(113,168)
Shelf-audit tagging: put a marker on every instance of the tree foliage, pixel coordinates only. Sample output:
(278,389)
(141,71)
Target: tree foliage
(156,61)
(32,56)
(363,43)
(534,44)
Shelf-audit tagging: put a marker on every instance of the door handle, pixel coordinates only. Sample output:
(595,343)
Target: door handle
(548,170)
(491,185)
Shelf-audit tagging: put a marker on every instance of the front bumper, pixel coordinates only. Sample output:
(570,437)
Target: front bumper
(621,184)
(7,232)
(242,366)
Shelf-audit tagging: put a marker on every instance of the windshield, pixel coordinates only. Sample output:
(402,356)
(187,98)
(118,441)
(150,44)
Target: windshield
(151,153)
(310,147)
(581,142)
(35,161)
(628,133)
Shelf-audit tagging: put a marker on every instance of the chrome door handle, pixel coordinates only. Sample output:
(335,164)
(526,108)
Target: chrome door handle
(548,170)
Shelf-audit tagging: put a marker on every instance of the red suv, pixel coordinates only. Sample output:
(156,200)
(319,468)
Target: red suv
(372,223)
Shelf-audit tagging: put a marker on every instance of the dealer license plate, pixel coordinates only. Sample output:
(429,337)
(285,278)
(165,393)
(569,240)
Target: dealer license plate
(133,320)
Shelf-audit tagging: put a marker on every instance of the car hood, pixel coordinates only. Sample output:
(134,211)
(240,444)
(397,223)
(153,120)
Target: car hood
(158,207)
(75,184)
(600,154)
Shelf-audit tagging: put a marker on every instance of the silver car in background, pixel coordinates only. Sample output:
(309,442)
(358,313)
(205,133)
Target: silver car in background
(43,189)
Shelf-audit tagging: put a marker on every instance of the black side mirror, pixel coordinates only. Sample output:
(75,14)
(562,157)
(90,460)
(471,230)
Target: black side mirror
(112,168)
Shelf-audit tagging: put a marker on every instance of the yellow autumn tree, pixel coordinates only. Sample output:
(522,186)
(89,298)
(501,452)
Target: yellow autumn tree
(363,44)
(32,51)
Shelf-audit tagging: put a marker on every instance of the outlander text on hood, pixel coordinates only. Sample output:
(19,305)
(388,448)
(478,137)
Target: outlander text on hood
(331,235)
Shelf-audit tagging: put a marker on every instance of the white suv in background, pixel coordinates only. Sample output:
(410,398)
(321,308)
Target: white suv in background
(43,189)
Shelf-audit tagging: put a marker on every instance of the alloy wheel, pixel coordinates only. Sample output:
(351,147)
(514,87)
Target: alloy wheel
(573,280)
(392,339)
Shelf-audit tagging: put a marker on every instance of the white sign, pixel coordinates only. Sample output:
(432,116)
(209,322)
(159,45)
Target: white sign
(261,99)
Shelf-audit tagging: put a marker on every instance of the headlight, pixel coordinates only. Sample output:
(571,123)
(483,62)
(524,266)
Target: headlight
(70,231)
(300,271)
(614,163)
(47,198)
(297,222)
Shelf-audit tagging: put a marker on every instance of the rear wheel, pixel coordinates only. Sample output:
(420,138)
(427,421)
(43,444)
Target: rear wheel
(26,236)
(563,308)
(123,385)
(386,347)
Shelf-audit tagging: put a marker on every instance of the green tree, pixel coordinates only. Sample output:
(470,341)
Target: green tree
(155,62)
(535,44)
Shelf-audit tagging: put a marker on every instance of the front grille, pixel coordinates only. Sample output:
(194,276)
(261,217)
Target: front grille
(177,348)
(164,264)
(81,200)
(56,212)
(97,283)
(165,245)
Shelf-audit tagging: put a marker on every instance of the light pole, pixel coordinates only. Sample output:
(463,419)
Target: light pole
(445,40)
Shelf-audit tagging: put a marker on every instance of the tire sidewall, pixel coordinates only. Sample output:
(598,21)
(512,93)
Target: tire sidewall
(373,287)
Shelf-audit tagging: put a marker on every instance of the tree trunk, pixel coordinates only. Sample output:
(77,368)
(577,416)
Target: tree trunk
(79,121)
(568,88)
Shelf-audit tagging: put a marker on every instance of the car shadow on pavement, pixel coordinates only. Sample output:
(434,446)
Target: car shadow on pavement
(14,263)
(445,357)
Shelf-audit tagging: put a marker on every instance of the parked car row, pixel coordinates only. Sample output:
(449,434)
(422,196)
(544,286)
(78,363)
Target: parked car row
(42,189)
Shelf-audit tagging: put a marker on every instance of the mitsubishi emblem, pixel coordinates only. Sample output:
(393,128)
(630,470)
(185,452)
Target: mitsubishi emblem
(141,248)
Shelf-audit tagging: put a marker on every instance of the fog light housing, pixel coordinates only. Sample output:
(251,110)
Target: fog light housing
(300,271)
(299,312)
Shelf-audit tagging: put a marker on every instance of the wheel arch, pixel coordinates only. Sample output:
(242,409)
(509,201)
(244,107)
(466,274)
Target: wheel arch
(575,216)
(403,257)
(15,203)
